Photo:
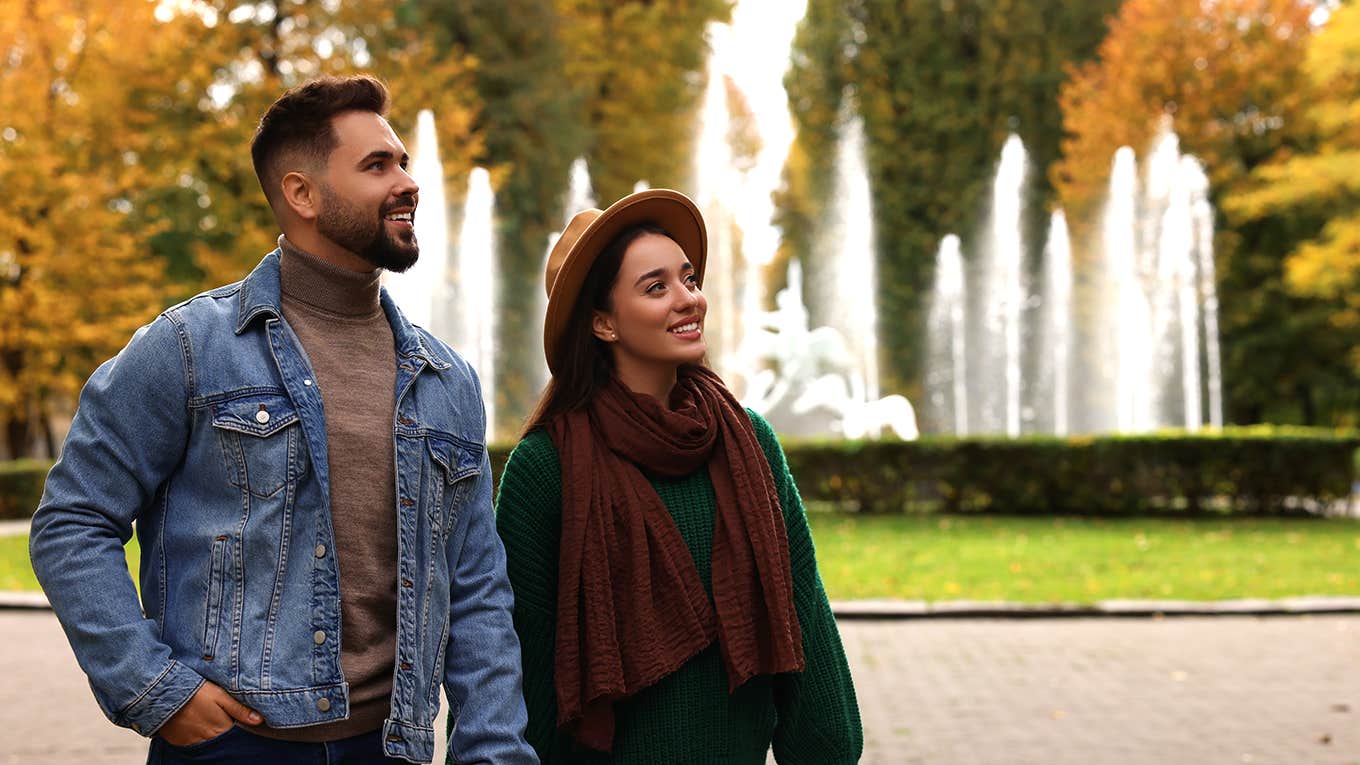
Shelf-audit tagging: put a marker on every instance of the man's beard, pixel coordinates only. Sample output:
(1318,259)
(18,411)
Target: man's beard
(351,227)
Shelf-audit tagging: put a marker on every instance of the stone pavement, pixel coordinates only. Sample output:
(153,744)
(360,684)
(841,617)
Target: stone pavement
(1126,691)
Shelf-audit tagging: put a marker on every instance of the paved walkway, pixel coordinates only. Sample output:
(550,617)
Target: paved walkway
(1225,689)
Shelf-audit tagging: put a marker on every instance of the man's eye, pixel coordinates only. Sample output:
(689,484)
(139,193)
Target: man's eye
(376,164)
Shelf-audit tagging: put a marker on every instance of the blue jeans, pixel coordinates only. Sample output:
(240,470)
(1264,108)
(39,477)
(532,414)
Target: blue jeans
(239,746)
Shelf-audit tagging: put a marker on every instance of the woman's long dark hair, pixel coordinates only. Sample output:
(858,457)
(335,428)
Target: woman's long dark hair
(587,361)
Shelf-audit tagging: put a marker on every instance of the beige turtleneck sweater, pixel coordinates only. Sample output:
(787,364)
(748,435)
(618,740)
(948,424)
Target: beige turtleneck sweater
(337,316)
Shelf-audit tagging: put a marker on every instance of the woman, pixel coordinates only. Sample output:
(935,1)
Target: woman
(666,596)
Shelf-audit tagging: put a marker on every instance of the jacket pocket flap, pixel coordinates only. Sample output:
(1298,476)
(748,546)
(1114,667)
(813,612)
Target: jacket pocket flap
(260,415)
(458,460)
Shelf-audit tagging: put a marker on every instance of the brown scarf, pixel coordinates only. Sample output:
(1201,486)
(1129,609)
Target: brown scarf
(631,608)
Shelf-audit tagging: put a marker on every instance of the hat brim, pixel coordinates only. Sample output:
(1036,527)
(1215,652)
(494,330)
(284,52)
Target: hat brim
(670,210)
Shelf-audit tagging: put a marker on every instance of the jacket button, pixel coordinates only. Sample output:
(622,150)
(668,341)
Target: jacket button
(262,416)
(320,551)
(319,637)
(323,704)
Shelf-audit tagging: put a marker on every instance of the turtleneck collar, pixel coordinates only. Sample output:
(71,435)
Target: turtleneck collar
(309,280)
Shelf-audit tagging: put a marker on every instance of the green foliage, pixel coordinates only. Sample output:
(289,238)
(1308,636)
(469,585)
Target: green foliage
(528,118)
(939,86)
(21,486)
(639,68)
(1240,470)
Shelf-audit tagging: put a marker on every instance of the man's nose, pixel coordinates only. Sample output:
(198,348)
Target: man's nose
(407,185)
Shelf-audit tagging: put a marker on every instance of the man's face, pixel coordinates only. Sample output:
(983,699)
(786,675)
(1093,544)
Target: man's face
(368,201)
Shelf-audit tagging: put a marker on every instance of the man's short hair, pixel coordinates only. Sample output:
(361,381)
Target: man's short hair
(297,128)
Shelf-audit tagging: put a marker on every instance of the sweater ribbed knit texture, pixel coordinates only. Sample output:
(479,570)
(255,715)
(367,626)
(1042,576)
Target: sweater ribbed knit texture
(688,717)
(337,316)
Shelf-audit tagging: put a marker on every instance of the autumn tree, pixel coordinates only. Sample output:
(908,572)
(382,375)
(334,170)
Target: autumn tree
(617,83)
(75,276)
(639,69)
(532,135)
(124,149)
(220,225)
(1229,73)
(1319,182)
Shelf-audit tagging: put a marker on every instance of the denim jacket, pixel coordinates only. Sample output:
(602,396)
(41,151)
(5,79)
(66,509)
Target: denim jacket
(203,430)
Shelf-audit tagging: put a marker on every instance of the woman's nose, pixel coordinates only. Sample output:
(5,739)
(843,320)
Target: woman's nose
(687,299)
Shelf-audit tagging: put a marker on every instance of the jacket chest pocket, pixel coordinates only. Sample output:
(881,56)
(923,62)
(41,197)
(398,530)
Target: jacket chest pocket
(261,442)
(454,465)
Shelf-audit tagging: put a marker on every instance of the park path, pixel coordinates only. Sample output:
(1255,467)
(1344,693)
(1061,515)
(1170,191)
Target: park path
(1124,691)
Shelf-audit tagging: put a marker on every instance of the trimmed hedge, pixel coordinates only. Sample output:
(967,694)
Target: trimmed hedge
(1240,470)
(21,486)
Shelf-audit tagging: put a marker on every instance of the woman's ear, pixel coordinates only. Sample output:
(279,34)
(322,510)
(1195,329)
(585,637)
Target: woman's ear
(602,324)
(300,195)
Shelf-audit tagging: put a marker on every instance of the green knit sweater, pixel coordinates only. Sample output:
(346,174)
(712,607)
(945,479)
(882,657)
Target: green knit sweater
(688,718)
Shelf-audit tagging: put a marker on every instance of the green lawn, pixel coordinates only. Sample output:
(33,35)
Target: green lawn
(1081,560)
(1077,560)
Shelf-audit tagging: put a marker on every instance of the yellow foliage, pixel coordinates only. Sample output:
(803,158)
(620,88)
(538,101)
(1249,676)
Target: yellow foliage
(1228,73)
(124,155)
(75,278)
(1324,179)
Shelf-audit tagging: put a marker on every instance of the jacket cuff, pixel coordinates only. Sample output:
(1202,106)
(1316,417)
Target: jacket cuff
(170,691)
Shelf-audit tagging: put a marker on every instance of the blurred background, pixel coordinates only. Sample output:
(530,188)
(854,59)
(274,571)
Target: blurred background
(937,185)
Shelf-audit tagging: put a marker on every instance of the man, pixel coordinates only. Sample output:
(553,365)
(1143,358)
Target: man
(309,479)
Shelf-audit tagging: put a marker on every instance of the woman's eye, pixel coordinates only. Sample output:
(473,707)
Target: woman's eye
(657,287)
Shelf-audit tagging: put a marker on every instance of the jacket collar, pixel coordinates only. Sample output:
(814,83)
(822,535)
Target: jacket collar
(260,296)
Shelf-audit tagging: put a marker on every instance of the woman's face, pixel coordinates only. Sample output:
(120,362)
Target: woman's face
(657,320)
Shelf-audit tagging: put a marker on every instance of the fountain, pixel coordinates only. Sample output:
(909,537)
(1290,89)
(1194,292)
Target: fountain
(1152,351)
(420,291)
(810,365)
(949,356)
(1057,300)
(809,378)
(997,373)
(475,289)
(458,308)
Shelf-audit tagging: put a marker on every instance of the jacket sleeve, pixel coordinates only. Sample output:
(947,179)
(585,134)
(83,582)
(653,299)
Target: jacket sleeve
(482,676)
(129,432)
(819,722)
(528,517)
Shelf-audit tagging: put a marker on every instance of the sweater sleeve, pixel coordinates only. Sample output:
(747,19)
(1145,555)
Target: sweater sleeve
(528,518)
(819,719)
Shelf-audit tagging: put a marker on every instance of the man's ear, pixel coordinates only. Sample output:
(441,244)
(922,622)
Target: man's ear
(300,195)
(602,324)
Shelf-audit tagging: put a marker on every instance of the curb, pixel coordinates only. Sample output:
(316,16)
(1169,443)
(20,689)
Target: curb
(995,609)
